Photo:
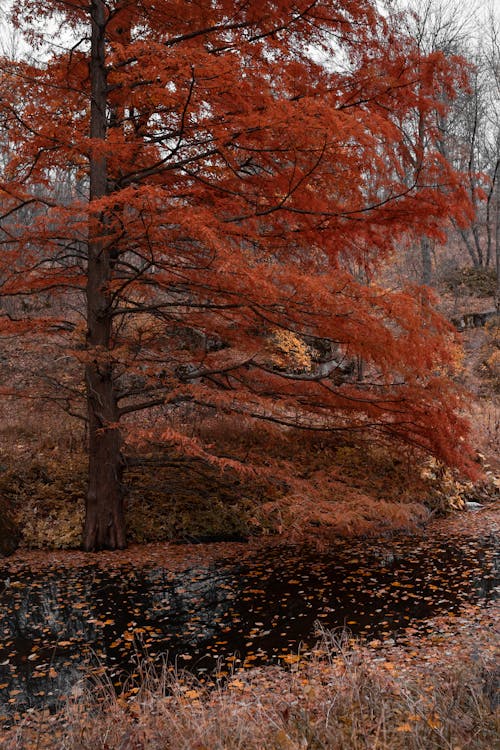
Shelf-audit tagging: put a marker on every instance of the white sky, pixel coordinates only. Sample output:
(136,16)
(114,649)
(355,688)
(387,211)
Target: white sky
(477,10)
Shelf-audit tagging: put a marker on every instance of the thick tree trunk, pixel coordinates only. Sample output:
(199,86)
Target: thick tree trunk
(104,522)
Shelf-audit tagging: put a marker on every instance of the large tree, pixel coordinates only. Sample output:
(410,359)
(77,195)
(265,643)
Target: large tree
(238,174)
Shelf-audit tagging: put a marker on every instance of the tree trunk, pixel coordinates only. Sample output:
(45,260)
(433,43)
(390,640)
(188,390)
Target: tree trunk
(497,248)
(425,251)
(104,522)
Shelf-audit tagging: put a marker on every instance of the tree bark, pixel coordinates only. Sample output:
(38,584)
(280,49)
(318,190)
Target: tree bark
(104,522)
(425,251)
(495,193)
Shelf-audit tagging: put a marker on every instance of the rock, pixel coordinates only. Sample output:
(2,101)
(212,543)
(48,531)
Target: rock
(9,534)
(473,506)
(473,320)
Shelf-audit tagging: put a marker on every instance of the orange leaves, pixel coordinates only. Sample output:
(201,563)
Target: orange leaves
(245,189)
(291,350)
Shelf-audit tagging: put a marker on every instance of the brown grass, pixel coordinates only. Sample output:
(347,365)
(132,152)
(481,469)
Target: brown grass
(441,693)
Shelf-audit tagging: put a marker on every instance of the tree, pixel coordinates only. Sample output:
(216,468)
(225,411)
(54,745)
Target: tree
(232,163)
(442,26)
(469,130)
(492,65)
(471,141)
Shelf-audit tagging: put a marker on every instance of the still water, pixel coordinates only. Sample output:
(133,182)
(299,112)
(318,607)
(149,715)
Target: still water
(56,624)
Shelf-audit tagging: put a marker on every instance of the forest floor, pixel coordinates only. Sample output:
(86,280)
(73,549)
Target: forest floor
(178,557)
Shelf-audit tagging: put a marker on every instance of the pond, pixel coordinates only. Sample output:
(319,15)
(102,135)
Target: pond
(213,618)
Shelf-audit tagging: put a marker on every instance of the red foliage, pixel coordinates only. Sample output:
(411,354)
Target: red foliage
(233,170)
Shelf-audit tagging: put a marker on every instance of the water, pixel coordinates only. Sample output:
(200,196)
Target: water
(56,624)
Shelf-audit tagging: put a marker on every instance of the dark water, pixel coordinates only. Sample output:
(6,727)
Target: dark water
(210,619)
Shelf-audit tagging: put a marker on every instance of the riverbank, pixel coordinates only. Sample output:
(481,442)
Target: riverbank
(177,557)
(326,487)
(437,691)
(418,604)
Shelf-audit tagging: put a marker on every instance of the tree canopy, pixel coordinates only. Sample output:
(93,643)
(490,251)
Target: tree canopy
(201,195)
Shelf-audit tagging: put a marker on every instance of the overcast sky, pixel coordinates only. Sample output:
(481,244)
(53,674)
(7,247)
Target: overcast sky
(477,11)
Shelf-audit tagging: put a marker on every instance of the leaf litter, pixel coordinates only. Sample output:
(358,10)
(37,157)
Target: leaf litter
(215,610)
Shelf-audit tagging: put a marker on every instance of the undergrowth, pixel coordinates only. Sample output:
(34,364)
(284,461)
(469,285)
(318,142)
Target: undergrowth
(318,487)
(480,282)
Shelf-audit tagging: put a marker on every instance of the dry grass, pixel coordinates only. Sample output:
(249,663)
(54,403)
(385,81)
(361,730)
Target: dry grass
(440,693)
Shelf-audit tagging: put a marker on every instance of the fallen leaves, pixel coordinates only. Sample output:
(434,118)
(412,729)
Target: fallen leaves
(221,615)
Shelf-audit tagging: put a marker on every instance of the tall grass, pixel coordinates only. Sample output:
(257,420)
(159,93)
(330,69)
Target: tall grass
(347,697)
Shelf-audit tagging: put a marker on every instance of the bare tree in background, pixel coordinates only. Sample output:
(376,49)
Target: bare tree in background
(469,131)
(437,26)
(492,65)
(472,142)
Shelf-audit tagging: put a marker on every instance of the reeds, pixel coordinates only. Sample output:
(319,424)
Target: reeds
(345,696)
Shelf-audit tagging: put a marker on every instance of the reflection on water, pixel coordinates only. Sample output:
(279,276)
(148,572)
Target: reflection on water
(56,624)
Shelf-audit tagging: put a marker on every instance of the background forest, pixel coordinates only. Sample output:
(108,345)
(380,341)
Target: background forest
(241,251)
